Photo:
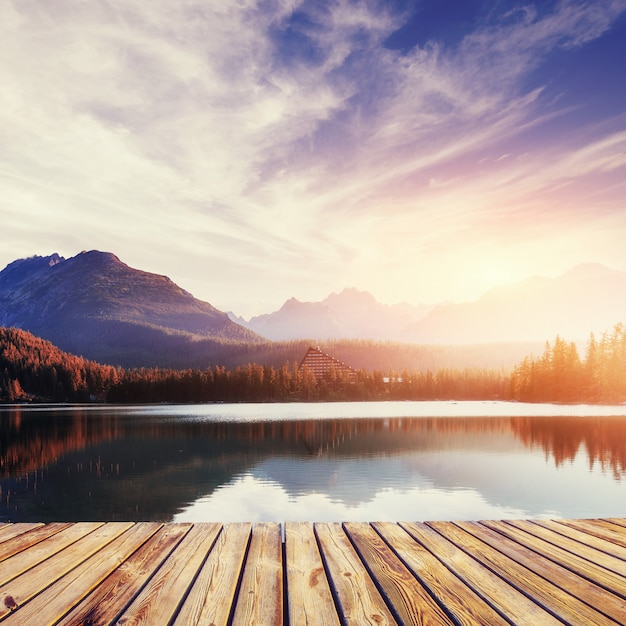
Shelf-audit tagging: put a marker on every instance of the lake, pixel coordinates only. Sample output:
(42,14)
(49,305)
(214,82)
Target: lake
(384,461)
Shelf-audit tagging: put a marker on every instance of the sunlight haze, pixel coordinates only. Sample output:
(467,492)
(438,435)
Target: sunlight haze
(256,151)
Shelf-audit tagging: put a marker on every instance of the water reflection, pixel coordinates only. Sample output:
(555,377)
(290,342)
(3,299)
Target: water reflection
(161,464)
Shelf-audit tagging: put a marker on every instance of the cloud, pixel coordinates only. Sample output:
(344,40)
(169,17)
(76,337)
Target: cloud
(280,134)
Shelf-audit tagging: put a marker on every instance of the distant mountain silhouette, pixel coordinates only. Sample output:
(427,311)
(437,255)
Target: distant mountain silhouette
(351,314)
(588,298)
(95,305)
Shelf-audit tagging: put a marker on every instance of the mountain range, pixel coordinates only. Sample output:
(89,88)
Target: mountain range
(351,314)
(96,306)
(588,298)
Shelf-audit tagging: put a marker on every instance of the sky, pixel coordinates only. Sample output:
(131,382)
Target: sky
(255,150)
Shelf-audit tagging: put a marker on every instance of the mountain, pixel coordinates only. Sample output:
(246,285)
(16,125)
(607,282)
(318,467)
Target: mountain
(588,298)
(95,305)
(351,314)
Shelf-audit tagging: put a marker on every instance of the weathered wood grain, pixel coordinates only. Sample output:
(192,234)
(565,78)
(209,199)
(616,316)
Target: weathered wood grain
(604,530)
(591,554)
(583,589)
(24,540)
(618,521)
(586,538)
(8,531)
(21,589)
(359,600)
(497,592)
(596,550)
(39,551)
(592,572)
(55,601)
(108,600)
(544,592)
(411,601)
(463,573)
(309,597)
(460,601)
(158,601)
(212,596)
(260,600)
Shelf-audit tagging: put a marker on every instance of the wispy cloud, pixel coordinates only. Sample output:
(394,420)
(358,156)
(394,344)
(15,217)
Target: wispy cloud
(259,134)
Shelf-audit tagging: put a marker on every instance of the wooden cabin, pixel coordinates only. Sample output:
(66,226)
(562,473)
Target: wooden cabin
(322,364)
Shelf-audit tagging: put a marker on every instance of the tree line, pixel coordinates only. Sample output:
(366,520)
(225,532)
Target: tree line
(263,383)
(34,369)
(560,375)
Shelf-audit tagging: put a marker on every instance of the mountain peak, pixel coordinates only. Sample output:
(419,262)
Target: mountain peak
(21,270)
(291,304)
(352,296)
(93,302)
(55,259)
(36,261)
(350,314)
(96,257)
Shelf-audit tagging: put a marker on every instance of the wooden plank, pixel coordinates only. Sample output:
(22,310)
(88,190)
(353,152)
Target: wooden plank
(618,521)
(21,589)
(411,602)
(158,601)
(585,551)
(48,607)
(41,550)
(461,601)
(441,573)
(497,592)
(310,600)
(260,599)
(559,602)
(582,589)
(599,528)
(212,596)
(24,540)
(588,539)
(359,600)
(108,600)
(8,531)
(592,572)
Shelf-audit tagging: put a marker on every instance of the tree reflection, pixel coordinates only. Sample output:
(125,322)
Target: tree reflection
(83,464)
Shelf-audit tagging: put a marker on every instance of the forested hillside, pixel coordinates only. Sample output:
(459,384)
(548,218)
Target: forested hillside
(32,367)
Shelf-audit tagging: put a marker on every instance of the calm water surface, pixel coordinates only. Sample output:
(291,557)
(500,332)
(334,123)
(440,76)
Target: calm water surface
(318,462)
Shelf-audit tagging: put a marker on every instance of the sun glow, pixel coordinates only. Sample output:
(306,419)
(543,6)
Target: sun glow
(494,275)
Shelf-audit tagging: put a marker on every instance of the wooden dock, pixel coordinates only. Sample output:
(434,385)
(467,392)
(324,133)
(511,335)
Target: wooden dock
(490,572)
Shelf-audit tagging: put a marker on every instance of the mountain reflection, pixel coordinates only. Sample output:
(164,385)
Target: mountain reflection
(77,463)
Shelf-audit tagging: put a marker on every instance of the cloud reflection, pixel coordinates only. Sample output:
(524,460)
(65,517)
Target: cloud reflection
(504,482)
(190,462)
(252,499)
